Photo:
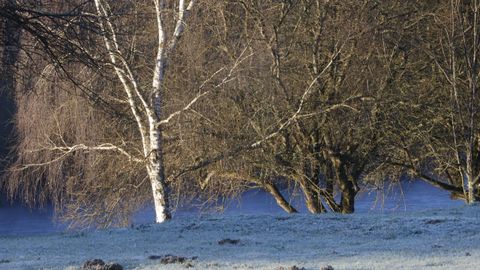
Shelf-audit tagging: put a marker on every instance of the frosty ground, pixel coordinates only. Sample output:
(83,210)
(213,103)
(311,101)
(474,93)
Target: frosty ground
(433,239)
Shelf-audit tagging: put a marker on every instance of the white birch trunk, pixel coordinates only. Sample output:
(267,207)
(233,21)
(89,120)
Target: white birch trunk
(471,192)
(156,168)
(156,173)
(147,114)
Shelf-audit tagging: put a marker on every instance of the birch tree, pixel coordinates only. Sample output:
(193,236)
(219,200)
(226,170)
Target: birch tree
(127,106)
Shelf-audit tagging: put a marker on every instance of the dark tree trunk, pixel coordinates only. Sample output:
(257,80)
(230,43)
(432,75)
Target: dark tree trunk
(348,198)
(10,47)
(348,192)
(348,189)
(284,204)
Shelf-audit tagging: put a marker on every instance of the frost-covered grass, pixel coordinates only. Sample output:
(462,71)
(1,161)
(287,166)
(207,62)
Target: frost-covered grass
(434,239)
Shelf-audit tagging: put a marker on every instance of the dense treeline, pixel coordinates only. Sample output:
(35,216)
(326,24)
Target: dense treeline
(201,100)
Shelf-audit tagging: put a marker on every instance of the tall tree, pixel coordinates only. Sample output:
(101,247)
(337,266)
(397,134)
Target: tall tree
(10,48)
